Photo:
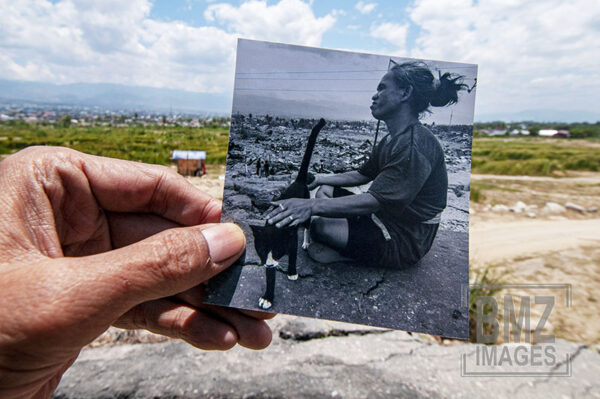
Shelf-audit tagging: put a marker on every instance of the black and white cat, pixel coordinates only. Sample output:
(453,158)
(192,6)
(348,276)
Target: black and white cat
(272,243)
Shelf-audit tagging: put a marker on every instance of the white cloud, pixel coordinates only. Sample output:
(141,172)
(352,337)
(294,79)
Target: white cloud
(394,33)
(289,21)
(110,41)
(365,8)
(113,41)
(531,54)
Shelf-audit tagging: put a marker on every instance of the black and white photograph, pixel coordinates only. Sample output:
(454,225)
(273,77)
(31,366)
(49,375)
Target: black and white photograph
(349,174)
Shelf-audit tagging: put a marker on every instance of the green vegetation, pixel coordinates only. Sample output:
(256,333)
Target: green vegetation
(154,143)
(490,186)
(532,156)
(151,144)
(488,283)
(478,189)
(476,194)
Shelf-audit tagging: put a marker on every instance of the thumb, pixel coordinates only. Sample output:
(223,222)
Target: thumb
(168,263)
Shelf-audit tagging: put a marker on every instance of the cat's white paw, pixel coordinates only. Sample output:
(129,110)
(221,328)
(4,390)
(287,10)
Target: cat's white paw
(271,261)
(264,304)
(293,277)
(306,239)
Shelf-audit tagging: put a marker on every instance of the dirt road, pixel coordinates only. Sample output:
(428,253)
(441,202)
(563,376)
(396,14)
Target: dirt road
(575,177)
(492,243)
(561,247)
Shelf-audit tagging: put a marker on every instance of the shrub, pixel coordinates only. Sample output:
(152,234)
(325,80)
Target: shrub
(484,284)
(476,194)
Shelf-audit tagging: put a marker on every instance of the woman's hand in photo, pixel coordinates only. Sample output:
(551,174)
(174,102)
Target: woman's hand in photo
(314,184)
(290,212)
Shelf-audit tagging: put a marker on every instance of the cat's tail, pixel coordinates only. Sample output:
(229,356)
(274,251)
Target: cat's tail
(312,139)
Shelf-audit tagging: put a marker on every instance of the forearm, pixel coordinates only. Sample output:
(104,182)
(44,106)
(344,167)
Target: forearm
(348,179)
(351,205)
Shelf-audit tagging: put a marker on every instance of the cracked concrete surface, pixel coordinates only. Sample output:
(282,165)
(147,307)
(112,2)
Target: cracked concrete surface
(339,360)
(425,298)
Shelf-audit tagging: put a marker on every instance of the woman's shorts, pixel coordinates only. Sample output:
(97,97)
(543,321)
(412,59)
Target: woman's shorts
(366,242)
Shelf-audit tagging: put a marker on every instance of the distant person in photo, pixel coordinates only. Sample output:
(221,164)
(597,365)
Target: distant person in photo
(394,223)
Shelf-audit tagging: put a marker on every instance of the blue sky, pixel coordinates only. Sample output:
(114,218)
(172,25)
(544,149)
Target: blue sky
(351,30)
(531,54)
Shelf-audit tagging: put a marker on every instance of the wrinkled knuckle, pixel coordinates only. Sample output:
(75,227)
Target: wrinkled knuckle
(212,205)
(164,174)
(173,173)
(163,177)
(174,256)
(59,156)
(31,154)
(176,324)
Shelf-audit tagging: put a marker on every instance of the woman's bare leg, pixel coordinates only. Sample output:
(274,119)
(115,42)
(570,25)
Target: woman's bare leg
(328,234)
(324,192)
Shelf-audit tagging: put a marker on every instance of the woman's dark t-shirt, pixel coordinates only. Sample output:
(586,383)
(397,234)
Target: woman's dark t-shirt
(411,183)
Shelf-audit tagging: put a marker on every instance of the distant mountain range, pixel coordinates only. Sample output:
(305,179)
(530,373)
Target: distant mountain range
(114,97)
(140,98)
(285,107)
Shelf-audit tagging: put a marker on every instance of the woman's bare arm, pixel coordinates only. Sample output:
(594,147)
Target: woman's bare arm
(347,179)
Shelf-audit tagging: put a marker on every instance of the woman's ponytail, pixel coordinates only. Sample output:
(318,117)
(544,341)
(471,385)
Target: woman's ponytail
(446,89)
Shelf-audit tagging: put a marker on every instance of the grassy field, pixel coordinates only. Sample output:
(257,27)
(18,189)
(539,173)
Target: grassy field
(534,156)
(151,144)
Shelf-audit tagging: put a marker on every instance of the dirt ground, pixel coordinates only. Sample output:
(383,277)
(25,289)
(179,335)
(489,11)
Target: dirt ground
(211,183)
(543,246)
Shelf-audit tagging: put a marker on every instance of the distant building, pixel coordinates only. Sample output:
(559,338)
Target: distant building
(190,163)
(519,132)
(494,132)
(553,133)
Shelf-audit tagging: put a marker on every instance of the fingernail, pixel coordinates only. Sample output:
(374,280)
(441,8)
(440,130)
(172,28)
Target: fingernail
(224,241)
(230,338)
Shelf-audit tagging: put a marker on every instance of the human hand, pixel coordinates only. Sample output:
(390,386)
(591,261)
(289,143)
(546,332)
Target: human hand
(314,184)
(289,212)
(87,242)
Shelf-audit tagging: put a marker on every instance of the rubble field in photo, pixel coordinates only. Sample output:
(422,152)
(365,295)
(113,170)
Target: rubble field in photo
(341,147)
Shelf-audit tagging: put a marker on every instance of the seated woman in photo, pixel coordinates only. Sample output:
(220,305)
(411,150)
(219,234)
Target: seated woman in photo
(394,223)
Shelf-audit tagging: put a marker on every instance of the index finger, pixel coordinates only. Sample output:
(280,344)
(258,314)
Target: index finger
(275,209)
(126,186)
